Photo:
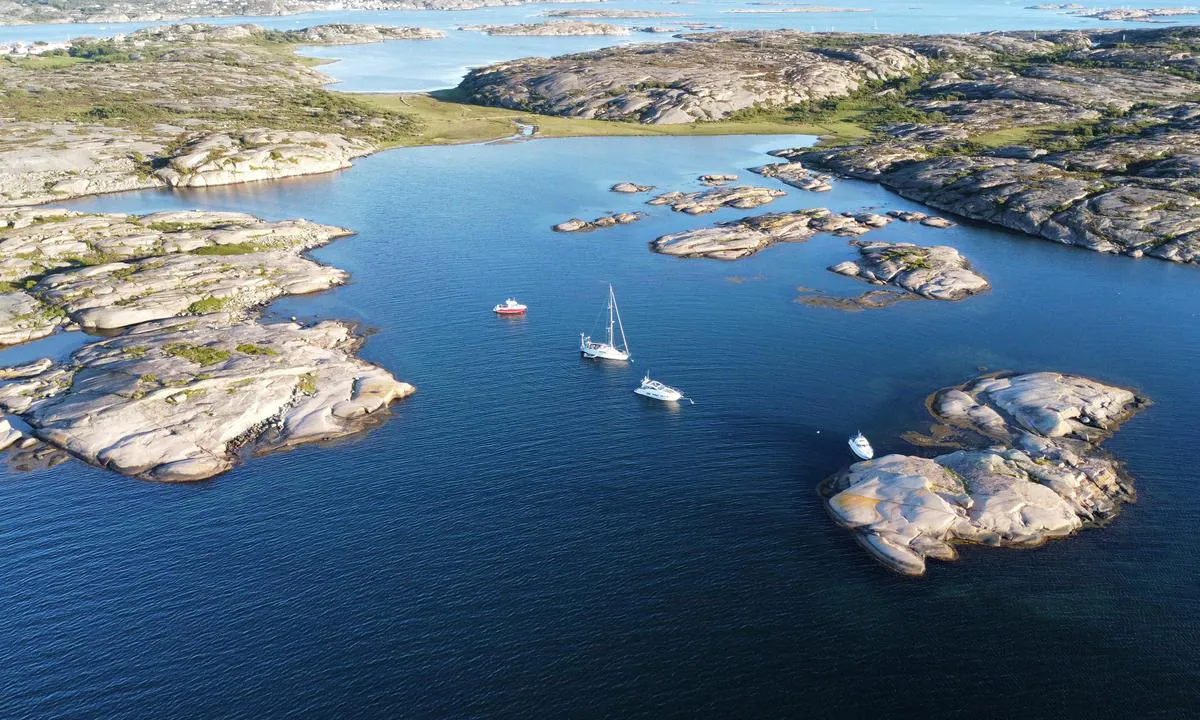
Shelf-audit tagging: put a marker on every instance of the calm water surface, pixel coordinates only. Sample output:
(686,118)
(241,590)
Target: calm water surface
(528,538)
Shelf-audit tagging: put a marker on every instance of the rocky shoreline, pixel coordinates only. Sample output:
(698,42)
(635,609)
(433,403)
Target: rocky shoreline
(1029,470)
(1085,138)
(191,377)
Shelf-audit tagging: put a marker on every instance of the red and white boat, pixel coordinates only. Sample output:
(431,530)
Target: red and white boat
(510,307)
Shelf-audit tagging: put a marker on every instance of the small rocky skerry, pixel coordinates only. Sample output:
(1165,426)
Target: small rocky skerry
(936,273)
(1030,470)
(747,236)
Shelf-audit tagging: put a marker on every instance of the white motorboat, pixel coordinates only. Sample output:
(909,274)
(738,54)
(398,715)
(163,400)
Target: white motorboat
(657,391)
(860,446)
(608,350)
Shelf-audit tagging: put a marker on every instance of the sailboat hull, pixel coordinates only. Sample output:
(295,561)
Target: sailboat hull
(599,351)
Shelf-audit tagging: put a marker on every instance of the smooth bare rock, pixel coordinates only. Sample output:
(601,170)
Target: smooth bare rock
(116,295)
(796,175)
(37,367)
(610,13)
(174,400)
(46,161)
(1021,488)
(8,434)
(705,77)
(221,159)
(347,34)
(24,318)
(742,238)
(937,222)
(715,180)
(38,240)
(742,197)
(937,273)
(908,215)
(628,187)
(577,225)
(557,28)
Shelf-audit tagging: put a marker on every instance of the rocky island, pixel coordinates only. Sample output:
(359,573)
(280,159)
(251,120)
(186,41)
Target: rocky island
(747,236)
(611,13)
(192,377)
(554,28)
(1125,14)
(1086,138)
(1029,470)
(741,197)
(936,273)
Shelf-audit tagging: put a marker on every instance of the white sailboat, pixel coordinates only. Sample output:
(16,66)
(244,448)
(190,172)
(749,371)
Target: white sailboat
(859,445)
(608,350)
(655,390)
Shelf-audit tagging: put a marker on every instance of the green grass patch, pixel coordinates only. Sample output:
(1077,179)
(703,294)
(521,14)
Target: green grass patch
(230,249)
(197,353)
(444,119)
(47,62)
(251,349)
(207,305)
(170,227)
(307,384)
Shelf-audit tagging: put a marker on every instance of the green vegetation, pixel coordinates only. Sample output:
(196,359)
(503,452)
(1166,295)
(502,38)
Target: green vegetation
(46,61)
(207,305)
(307,384)
(97,50)
(136,351)
(250,349)
(230,249)
(170,227)
(196,353)
(444,119)
(185,395)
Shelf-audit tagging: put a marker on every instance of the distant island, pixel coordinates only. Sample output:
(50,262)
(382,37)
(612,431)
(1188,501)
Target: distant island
(18,12)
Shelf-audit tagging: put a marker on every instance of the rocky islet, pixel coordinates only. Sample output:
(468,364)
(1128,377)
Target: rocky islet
(1029,470)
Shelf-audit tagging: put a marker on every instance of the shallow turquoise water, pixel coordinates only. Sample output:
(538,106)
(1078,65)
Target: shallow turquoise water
(528,538)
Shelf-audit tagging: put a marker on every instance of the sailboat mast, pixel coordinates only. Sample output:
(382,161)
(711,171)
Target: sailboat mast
(624,344)
(611,300)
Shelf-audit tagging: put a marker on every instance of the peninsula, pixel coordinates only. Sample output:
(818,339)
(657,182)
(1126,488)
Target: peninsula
(190,377)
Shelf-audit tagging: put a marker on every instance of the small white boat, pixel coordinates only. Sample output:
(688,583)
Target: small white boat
(510,307)
(860,446)
(657,391)
(608,350)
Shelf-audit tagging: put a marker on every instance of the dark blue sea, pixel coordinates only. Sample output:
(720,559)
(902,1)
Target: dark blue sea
(526,538)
